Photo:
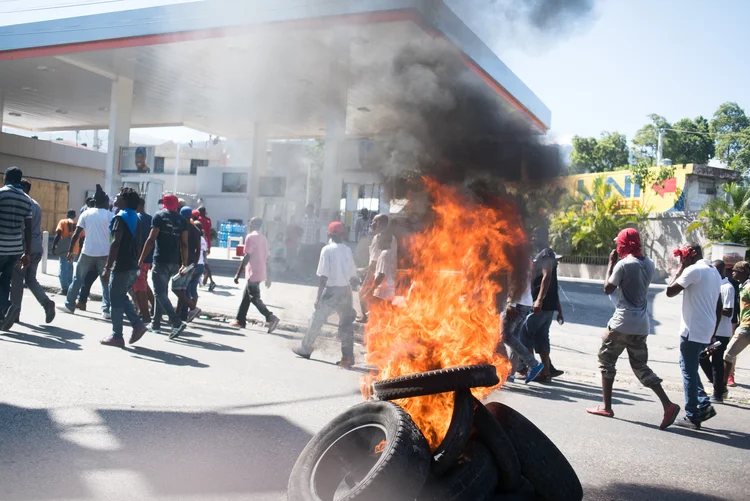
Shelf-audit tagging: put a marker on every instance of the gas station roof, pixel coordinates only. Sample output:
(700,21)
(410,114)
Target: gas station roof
(222,65)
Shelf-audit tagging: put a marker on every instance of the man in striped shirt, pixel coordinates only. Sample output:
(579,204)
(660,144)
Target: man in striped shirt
(15,231)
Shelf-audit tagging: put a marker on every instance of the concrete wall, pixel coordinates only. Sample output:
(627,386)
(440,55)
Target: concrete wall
(222,206)
(82,169)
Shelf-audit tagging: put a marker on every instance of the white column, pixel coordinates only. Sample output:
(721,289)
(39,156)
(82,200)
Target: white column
(2,109)
(352,196)
(120,108)
(336,101)
(258,167)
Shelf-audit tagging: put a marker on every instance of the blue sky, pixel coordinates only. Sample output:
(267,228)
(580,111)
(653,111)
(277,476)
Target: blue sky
(677,58)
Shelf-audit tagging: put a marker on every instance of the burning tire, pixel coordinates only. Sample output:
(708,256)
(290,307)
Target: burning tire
(455,440)
(541,462)
(371,452)
(491,434)
(525,492)
(438,381)
(472,478)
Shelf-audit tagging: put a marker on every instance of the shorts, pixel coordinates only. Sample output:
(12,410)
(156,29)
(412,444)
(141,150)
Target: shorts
(535,332)
(140,284)
(614,343)
(182,281)
(739,342)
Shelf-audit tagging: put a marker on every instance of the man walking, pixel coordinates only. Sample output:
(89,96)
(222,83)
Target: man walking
(15,233)
(27,275)
(701,314)
(629,327)
(205,222)
(95,222)
(194,253)
(141,291)
(337,277)
(169,235)
(255,264)
(122,269)
(713,363)
(741,339)
(546,303)
(63,235)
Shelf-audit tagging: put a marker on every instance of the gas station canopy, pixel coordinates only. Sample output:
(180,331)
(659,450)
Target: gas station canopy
(223,65)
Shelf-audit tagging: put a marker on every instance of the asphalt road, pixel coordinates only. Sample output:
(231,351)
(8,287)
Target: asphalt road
(223,414)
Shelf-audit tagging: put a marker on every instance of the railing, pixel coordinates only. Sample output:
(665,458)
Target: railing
(594,260)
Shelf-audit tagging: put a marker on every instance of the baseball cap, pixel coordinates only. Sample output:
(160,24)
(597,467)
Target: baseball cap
(336,229)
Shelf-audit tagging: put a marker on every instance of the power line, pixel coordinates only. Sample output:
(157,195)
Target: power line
(711,134)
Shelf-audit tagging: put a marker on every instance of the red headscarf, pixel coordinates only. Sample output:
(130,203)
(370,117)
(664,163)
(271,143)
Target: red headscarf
(171,202)
(629,242)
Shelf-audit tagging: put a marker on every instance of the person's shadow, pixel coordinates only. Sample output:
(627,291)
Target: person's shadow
(164,357)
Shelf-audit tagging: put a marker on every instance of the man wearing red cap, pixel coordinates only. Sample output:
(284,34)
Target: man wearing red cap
(337,277)
(629,327)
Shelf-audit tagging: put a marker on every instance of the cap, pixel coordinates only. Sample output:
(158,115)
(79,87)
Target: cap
(186,212)
(336,229)
(196,213)
(741,266)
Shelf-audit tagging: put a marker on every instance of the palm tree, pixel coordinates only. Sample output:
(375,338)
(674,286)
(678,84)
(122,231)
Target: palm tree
(592,219)
(726,219)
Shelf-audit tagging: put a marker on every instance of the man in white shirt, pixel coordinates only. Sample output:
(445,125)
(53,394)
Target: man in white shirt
(701,314)
(337,277)
(713,364)
(95,222)
(379,227)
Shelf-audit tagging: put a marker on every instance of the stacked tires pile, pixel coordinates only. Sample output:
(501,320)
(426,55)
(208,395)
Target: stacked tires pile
(374,451)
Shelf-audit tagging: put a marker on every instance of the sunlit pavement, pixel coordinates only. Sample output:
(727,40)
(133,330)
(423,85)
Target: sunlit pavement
(222,414)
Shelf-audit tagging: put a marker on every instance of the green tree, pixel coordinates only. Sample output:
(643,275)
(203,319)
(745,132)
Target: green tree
(646,140)
(591,220)
(726,219)
(605,154)
(692,142)
(732,128)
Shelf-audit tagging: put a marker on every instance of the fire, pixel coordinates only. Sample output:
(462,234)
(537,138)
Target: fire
(450,319)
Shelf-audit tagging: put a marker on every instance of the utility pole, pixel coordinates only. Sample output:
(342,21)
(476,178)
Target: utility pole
(659,147)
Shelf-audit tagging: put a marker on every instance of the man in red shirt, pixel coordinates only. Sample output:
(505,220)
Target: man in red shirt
(206,224)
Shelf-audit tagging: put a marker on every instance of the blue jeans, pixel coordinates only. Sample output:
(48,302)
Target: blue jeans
(7,263)
(65,274)
(512,338)
(120,283)
(161,276)
(192,288)
(84,266)
(536,331)
(695,396)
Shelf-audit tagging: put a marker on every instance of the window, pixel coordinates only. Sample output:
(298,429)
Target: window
(195,163)
(234,182)
(706,186)
(158,165)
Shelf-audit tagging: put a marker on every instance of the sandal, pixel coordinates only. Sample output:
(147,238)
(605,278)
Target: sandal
(669,416)
(600,412)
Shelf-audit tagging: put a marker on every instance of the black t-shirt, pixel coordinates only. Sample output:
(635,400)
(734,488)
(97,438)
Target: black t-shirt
(546,260)
(736,309)
(194,244)
(170,225)
(127,254)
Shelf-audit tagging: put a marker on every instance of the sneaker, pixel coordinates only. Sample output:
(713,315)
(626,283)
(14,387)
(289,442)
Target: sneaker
(730,382)
(10,317)
(717,400)
(154,328)
(346,362)
(176,331)
(236,324)
(212,287)
(511,379)
(81,306)
(106,315)
(555,372)
(117,342)
(273,322)
(49,311)
(65,308)
(707,413)
(192,314)
(669,416)
(300,353)
(725,394)
(138,332)
(534,372)
(685,422)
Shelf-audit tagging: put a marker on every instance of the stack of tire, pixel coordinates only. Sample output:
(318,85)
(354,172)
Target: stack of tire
(375,452)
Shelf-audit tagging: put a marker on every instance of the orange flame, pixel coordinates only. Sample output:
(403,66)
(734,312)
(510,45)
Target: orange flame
(450,317)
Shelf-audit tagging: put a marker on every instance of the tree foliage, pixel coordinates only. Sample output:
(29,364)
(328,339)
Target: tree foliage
(646,177)
(591,220)
(731,126)
(646,140)
(726,219)
(605,154)
(692,142)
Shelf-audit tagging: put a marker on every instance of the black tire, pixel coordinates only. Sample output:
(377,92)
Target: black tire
(438,381)
(371,452)
(542,463)
(455,440)
(472,478)
(491,434)
(525,492)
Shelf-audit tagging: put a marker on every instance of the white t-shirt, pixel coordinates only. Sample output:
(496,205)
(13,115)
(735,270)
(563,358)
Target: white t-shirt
(387,266)
(632,276)
(204,248)
(375,248)
(337,263)
(96,224)
(702,284)
(727,302)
